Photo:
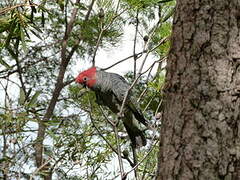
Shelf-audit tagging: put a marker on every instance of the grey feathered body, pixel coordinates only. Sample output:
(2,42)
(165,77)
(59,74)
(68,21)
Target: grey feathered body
(110,90)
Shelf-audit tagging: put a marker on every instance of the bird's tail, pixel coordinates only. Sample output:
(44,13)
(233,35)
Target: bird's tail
(138,114)
(136,136)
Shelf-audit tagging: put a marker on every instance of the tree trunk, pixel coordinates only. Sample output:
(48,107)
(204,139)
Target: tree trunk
(200,134)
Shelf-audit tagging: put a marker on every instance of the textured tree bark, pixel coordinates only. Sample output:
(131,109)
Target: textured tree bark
(200,134)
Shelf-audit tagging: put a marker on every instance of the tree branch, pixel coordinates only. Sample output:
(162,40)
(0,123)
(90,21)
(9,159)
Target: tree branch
(134,46)
(58,87)
(99,132)
(120,61)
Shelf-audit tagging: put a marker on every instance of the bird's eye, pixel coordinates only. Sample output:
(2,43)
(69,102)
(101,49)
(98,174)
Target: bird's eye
(85,78)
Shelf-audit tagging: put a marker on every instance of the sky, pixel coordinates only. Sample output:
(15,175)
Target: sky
(105,58)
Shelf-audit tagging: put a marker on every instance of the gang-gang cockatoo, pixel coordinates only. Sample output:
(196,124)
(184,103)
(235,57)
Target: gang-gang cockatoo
(110,90)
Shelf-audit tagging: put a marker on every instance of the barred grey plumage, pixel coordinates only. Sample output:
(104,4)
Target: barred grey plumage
(112,82)
(110,90)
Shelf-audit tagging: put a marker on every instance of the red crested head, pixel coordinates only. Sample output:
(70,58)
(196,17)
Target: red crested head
(87,77)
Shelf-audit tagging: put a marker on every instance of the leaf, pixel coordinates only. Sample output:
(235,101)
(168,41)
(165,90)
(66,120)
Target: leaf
(61,4)
(36,28)
(4,24)
(6,65)
(23,40)
(168,15)
(43,19)
(36,34)
(13,54)
(33,101)
(81,6)
(41,7)
(22,96)
(10,34)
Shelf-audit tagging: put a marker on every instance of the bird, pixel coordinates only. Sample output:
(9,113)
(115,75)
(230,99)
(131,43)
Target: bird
(110,90)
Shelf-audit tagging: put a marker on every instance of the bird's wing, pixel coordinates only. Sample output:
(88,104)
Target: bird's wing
(120,88)
(137,113)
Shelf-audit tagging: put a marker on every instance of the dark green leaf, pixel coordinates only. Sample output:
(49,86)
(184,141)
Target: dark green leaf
(23,40)
(36,34)
(33,100)
(22,96)
(4,63)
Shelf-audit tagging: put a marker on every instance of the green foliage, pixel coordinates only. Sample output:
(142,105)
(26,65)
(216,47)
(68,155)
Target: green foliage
(148,92)
(6,65)
(77,137)
(33,101)
(4,23)
(22,96)
(16,25)
(141,4)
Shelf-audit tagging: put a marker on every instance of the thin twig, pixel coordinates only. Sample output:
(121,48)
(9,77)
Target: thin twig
(7,97)
(124,157)
(39,168)
(4,10)
(99,132)
(56,93)
(119,153)
(68,82)
(91,118)
(152,147)
(159,104)
(152,65)
(134,46)
(114,125)
(120,61)
(98,41)
(89,10)
(105,116)
(115,17)
(118,3)
(145,90)
(135,160)
(149,102)
(149,73)
(138,76)
(102,29)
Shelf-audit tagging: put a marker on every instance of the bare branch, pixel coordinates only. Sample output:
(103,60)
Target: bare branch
(67,33)
(124,157)
(39,168)
(152,147)
(89,10)
(139,75)
(98,41)
(99,132)
(56,92)
(5,10)
(134,46)
(102,29)
(120,61)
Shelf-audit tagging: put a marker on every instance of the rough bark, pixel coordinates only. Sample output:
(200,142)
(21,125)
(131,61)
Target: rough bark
(200,134)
